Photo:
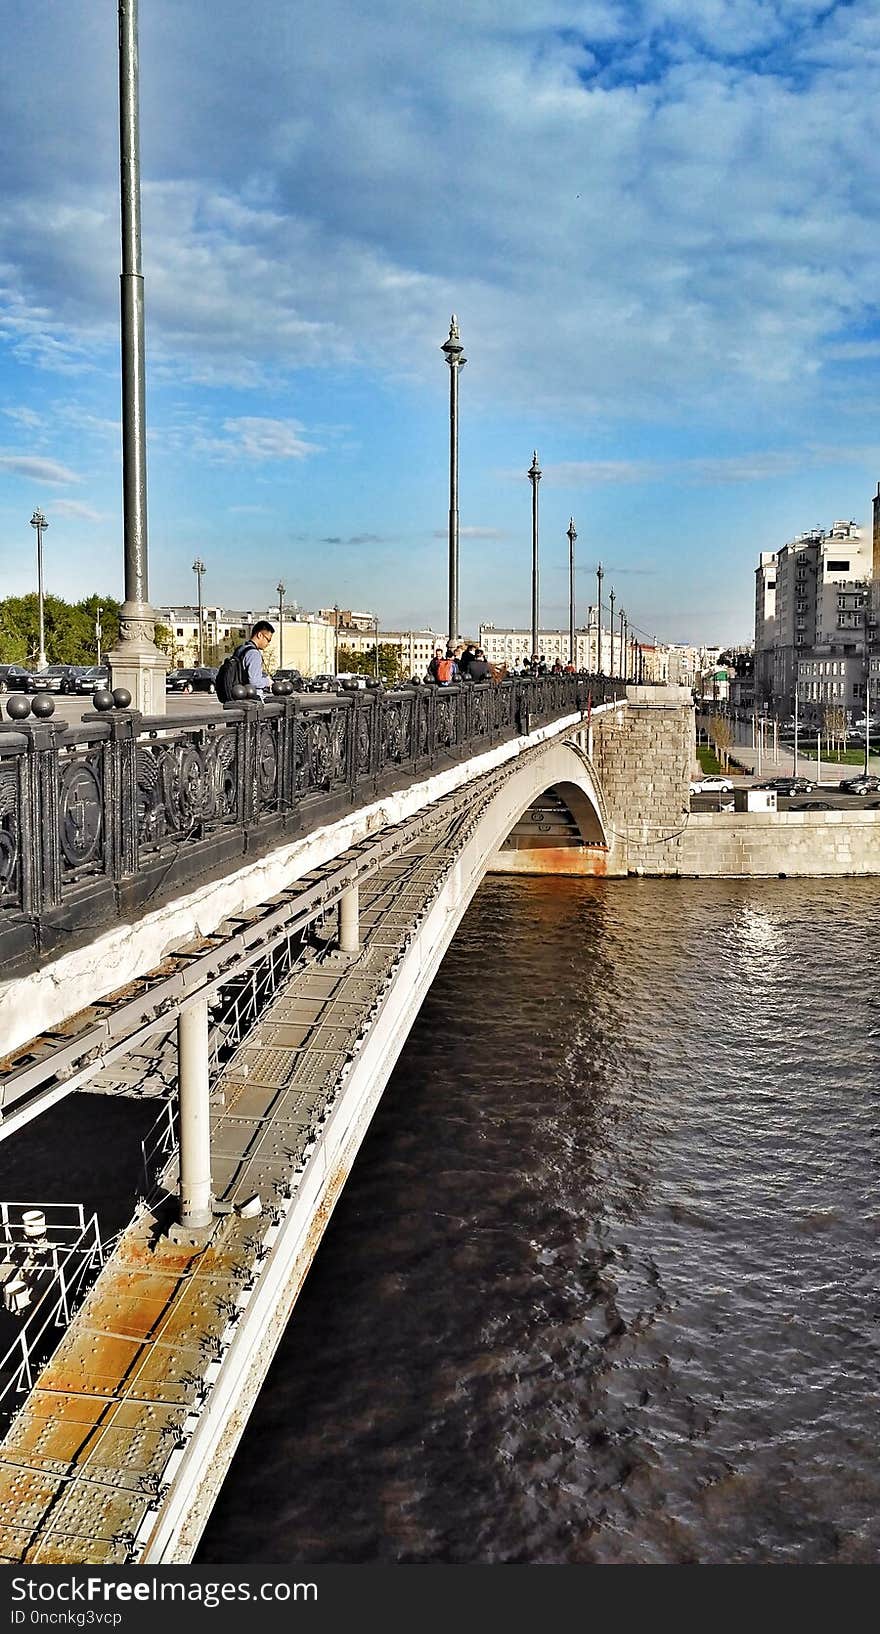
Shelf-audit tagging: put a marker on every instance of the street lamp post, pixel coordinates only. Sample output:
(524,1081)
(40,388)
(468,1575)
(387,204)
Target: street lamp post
(623,674)
(534,474)
(611,599)
(99,631)
(281,587)
(198,569)
(599,577)
(456,359)
(572,535)
(376,623)
(135,662)
(39,522)
(335,638)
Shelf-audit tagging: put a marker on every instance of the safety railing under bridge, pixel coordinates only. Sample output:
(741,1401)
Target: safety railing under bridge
(112,817)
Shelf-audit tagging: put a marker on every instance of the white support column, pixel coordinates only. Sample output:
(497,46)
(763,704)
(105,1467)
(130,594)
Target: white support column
(195,1119)
(349,932)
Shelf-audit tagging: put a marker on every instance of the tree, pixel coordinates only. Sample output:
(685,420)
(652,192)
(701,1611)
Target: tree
(722,736)
(70,628)
(364,663)
(836,725)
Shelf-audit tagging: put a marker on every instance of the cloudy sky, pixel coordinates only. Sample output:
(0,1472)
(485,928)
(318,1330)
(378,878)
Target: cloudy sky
(657,221)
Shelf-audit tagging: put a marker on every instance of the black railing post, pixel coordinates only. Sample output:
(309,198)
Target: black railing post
(40,815)
(247,729)
(120,793)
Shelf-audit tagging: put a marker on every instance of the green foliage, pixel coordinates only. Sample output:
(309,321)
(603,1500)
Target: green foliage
(710,765)
(164,639)
(69,627)
(364,663)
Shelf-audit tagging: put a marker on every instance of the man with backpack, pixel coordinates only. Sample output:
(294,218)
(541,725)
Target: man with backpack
(244,666)
(443,669)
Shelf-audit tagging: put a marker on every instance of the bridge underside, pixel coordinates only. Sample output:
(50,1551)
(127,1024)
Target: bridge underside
(178,1334)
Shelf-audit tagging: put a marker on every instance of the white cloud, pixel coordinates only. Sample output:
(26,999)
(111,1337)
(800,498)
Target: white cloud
(38,470)
(84,513)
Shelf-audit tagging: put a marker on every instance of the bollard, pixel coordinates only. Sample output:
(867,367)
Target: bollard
(195,1120)
(349,931)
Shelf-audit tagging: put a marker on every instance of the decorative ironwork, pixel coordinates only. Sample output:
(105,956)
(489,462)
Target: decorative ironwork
(184,785)
(8,828)
(392,735)
(111,793)
(267,765)
(364,742)
(80,813)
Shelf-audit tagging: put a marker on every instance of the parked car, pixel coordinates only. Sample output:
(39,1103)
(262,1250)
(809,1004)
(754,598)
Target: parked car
(866,784)
(788,785)
(179,680)
(712,785)
(203,678)
(322,683)
(93,678)
(292,675)
(55,678)
(14,678)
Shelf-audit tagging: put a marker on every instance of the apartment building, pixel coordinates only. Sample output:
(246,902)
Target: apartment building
(810,597)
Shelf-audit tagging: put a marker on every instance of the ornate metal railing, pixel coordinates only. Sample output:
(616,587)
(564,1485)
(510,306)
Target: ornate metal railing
(120,812)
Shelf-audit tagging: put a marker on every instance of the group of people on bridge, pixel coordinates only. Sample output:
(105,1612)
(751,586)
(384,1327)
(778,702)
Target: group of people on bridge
(469,663)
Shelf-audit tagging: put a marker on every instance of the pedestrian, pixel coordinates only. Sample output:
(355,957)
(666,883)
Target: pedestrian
(245,664)
(466,660)
(447,668)
(479,668)
(431,671)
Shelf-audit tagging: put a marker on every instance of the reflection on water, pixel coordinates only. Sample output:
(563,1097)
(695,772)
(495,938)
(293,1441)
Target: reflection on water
(602,1287)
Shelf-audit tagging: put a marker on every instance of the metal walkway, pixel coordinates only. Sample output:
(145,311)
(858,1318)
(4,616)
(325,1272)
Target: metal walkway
(90,1456)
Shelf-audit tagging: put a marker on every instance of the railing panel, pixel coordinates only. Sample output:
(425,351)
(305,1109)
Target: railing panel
(114,795)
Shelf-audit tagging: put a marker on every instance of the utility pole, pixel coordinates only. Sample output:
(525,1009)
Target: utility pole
(534,475)
(622,617)
(456,359)
(599,577)
(135,662)
(39,522)
(199,569)
(611,600)
(867,685)
(281,587)
(572,535)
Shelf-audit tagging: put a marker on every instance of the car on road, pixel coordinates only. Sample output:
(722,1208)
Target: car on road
(93,678)
(14,678)
(788,785)
(866,784)
(291,675)
(55,678)
(179,680)
(712,785)
(203,678)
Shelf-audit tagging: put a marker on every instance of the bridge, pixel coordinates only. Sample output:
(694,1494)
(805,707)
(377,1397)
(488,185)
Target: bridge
(246,909)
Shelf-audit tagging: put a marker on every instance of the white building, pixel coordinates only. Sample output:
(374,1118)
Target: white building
(818,588)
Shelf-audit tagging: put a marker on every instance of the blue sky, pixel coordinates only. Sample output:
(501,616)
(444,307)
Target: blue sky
(657,221)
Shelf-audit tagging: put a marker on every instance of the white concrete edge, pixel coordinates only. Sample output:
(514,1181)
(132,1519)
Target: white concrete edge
(119,955)
(174,1535)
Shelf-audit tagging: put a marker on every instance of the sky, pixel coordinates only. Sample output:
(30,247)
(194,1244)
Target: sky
(658,222)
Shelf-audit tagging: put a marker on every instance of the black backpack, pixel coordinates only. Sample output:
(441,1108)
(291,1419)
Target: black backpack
(231,673)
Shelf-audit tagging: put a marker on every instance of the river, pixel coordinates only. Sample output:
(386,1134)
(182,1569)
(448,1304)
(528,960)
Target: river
(602,1287)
